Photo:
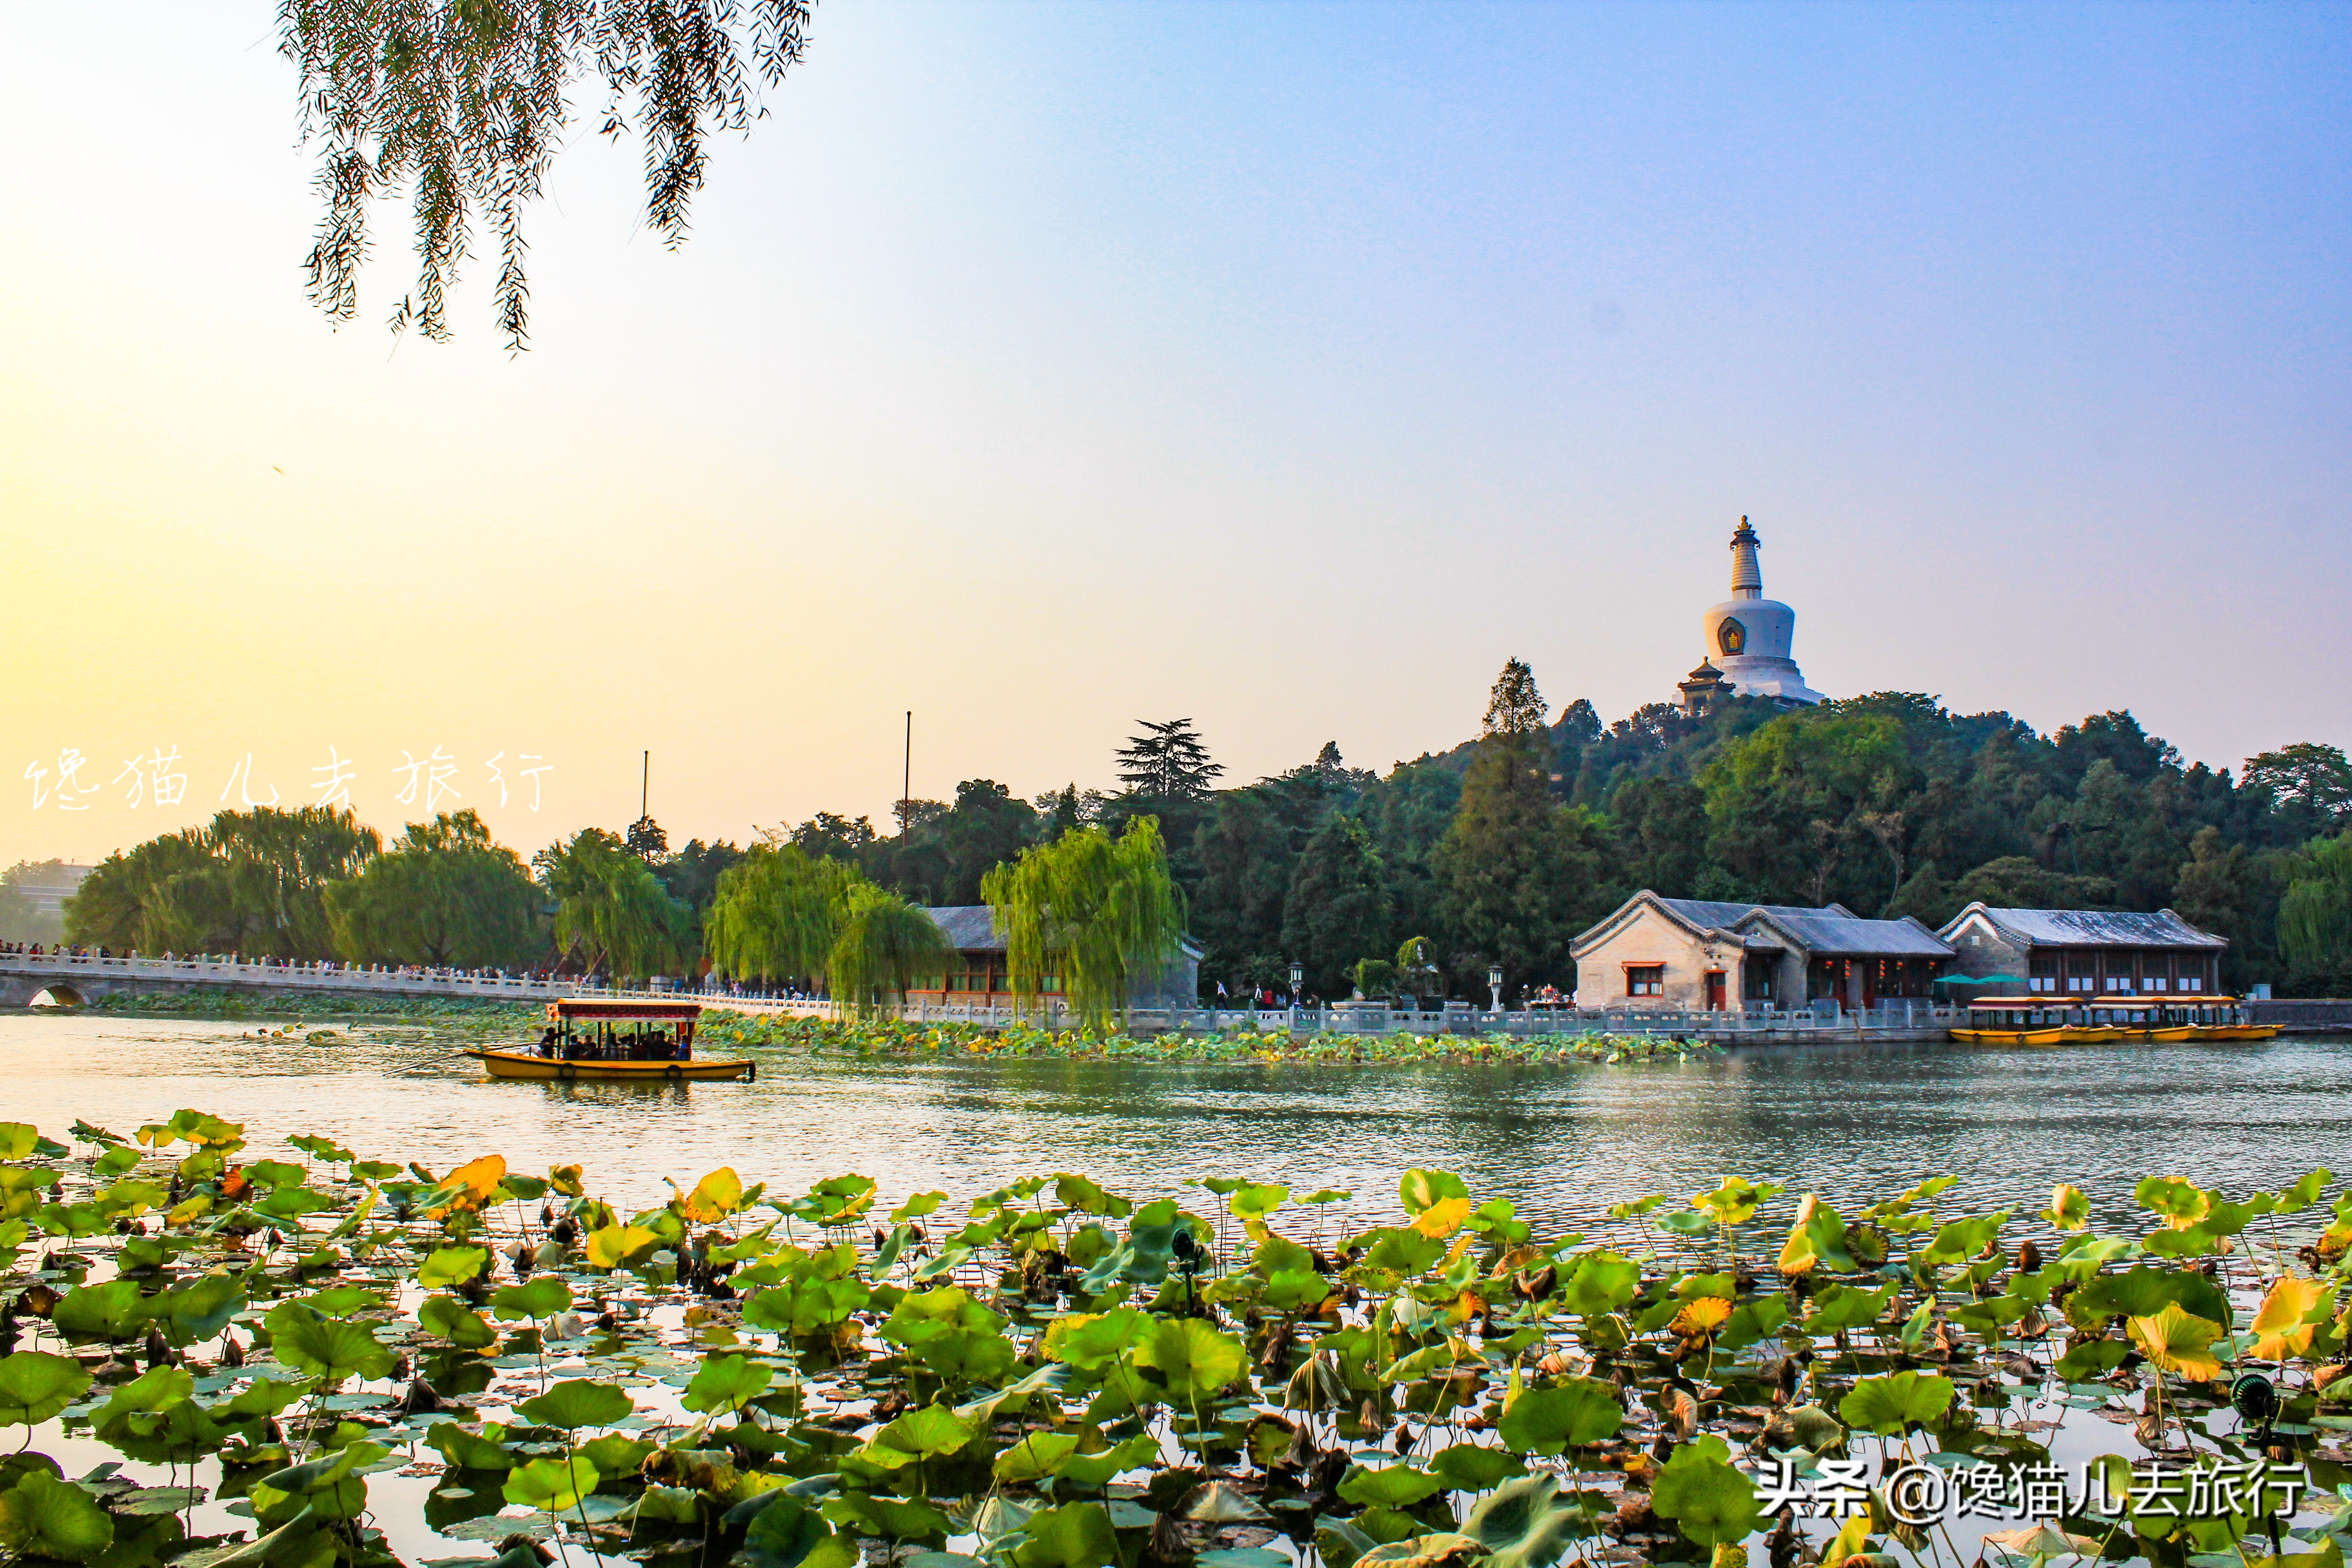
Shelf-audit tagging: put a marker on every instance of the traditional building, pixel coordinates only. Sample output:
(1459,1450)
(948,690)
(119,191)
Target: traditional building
(1698,955)
(983,976)
(2083,952)
(1748,639)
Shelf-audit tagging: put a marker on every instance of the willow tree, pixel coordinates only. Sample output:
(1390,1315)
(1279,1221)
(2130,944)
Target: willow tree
(1100,912)
(2315,919)
(462,103)
(782,913)
(612,908)
(443,893)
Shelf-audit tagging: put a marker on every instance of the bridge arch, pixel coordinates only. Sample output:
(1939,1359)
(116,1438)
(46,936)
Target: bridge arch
(57,996)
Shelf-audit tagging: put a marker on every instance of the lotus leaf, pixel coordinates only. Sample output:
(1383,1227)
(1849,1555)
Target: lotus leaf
(1962,1239)
(1893,1404)
(967,1355)
(550,1485)
(1077,1535)
(1423,1551)
(1254,1200)
(1579,1412)
(1475,1468)
(714,1197)
(1420,1190)
(1400,1251)
(467,1451)
(1034,1456)
(200,1309)
(331,1486)
(1735,1201)
(1709,1501)
(924,1433)
(36,1385)
(452,1266)
(618,1246)
(1525,1524)
(2092,1358)
(1390,1485)
(2178,1341)
(727,1384)
(542,1297)
(300,1339)
(1192,1359)
(2289,1316)
(783,1532)
(41,1516)
(1818,1236)
(453,1320)
(578,1402)
(899,1519)
(113,1312)
(1097,1470)
(1290,1290)
(1837,1307)
(1601,1282)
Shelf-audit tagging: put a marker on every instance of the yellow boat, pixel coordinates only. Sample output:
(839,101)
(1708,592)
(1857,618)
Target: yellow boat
(2016,1021)
(2184,1019)
(588,1042)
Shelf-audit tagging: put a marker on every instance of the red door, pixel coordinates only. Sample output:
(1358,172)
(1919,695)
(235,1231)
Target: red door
(1715,990)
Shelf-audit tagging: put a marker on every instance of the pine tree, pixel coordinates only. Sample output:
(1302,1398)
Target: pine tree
(1168,761)
(1502,890)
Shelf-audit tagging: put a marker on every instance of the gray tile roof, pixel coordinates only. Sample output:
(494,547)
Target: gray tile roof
(1834,930)
(2095,928)
(970,927)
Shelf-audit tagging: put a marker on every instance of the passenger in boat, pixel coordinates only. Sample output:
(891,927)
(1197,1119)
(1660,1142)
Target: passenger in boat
(547,1042)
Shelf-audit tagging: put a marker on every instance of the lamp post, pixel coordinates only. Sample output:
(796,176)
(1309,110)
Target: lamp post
(1495,985)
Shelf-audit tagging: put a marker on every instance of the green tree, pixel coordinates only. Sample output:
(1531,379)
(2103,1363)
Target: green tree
(1337,912)
(1168,761)
(1785,804)
(783,914)
(986,826)
(123,904)
(692,873)
(2015,882)
(444,893)
(1660,827)
(21,920)
(2311,782)
(2224,890)
(251,883)
(464,102)
(611,909)
(1500,889)
(2314,921)
(777,912)
(1100,912)
(1245,856)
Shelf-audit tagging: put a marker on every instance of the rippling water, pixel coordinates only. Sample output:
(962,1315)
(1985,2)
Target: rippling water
(1850,1121)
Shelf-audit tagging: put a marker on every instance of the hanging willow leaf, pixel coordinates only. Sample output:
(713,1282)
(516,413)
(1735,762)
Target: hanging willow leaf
(462,103)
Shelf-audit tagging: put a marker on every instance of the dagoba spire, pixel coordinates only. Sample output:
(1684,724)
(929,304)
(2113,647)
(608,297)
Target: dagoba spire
(1747,576)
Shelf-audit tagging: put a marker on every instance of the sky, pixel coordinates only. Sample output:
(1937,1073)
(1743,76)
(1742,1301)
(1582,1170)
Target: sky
(1044,368)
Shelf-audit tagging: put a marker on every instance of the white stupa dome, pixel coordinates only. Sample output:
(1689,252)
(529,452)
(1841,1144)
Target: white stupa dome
(1749,635)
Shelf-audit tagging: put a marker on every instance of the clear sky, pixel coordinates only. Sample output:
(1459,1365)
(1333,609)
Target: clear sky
(1042,368)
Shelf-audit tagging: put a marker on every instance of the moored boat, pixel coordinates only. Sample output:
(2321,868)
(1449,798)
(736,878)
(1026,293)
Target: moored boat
(2189,1018)
(617,1042)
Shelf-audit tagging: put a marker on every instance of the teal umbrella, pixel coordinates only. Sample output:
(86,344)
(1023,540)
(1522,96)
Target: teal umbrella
(1956,980)
(2002,980)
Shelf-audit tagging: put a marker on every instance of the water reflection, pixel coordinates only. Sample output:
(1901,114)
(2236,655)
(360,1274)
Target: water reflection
(1853,1122)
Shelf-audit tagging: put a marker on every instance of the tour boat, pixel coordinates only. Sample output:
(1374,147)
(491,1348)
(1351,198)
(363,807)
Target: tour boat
(617,1042)
(2158,1020)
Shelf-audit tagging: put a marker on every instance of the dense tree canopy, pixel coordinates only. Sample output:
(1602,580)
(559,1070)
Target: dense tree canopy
(251,883)
(443,894)
(1099,913)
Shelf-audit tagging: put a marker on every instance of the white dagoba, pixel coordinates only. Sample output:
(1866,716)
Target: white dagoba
(1748,635)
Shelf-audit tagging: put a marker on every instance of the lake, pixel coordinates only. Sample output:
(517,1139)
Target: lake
(1849,1121)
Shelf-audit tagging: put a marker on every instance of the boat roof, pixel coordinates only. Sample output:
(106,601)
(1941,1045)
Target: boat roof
(668,1012)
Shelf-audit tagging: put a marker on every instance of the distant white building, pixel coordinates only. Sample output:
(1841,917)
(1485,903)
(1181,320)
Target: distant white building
(1748,639)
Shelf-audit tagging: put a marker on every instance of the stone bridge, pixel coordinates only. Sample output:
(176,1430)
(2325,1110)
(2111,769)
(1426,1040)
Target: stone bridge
(26,980)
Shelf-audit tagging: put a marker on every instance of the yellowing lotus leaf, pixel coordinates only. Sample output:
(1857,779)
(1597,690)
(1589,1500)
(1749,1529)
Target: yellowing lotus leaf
(1442,1218)
(2177,1341)
(2289,1313)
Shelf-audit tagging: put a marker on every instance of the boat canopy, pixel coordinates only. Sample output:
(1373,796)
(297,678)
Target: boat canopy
(624,1012)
